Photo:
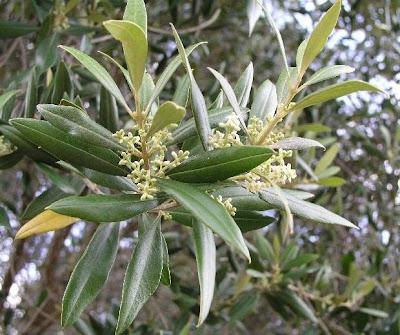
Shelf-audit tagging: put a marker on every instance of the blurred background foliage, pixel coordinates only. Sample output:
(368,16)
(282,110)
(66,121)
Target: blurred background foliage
(324,279)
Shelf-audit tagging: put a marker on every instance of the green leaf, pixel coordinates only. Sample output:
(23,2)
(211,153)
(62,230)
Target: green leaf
(113,182)
(146,91)
(220,164)
(206,265)
(99,72)
(142,276)
(46,52)
(5,97)
(320,34)
(243,86)
(166,274)
(329,172)
(4,220)
(198,103)
(327,159)
(167,74)
(296,304)
(63,182)
(333,92)
(31,96)
(13,29)
(300,261)
(124,71)
(62,84)
(285,82)
(76,123)
(296,143)
(134,43)
(108,112)
(90,273)
(25,147)
(8,161)
(264,248)
(114,208)
(208,211)
(37,205)
(243,306)
(328,72)
(168,113)
(265,101)
(300,53)
(374,312)
(69,148)
(188,128)
(242,199)
(252,220)
(135,11)
(304,209)
(181,94)
(230,94)
(332,181)
(254,11)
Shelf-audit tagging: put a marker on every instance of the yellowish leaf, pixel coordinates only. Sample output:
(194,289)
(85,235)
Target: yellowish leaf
(44,222)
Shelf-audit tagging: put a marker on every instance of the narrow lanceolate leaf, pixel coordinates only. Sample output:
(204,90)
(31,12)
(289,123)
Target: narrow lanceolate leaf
(62,84)
(108,113)
(5,97)
(43,223)
(285,82)
(328,73)
(167,74)
(24,146)
(300,53)
(206,265)
(181,94)
(31,96)
(208,211)
(220,164)
(42,201)
(13,29)
(166,274)
(134,43)
(99,72)
(90,273)
(168,113)
(265,101)
(320,34)
(142,276)
(198,103)
(254,11)
(69,148)
(188,128)
(8,161)
(103,208)
(146,91)
(327,159)
(230,94)
(114,182)
(243,86)
(76,123)
(4,219)
(135,11)
(333,92)
(296,143)
(304,209)
(124,71)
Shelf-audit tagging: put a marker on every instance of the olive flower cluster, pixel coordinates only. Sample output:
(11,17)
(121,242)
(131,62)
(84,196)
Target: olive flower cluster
(273,171)
(146,156)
